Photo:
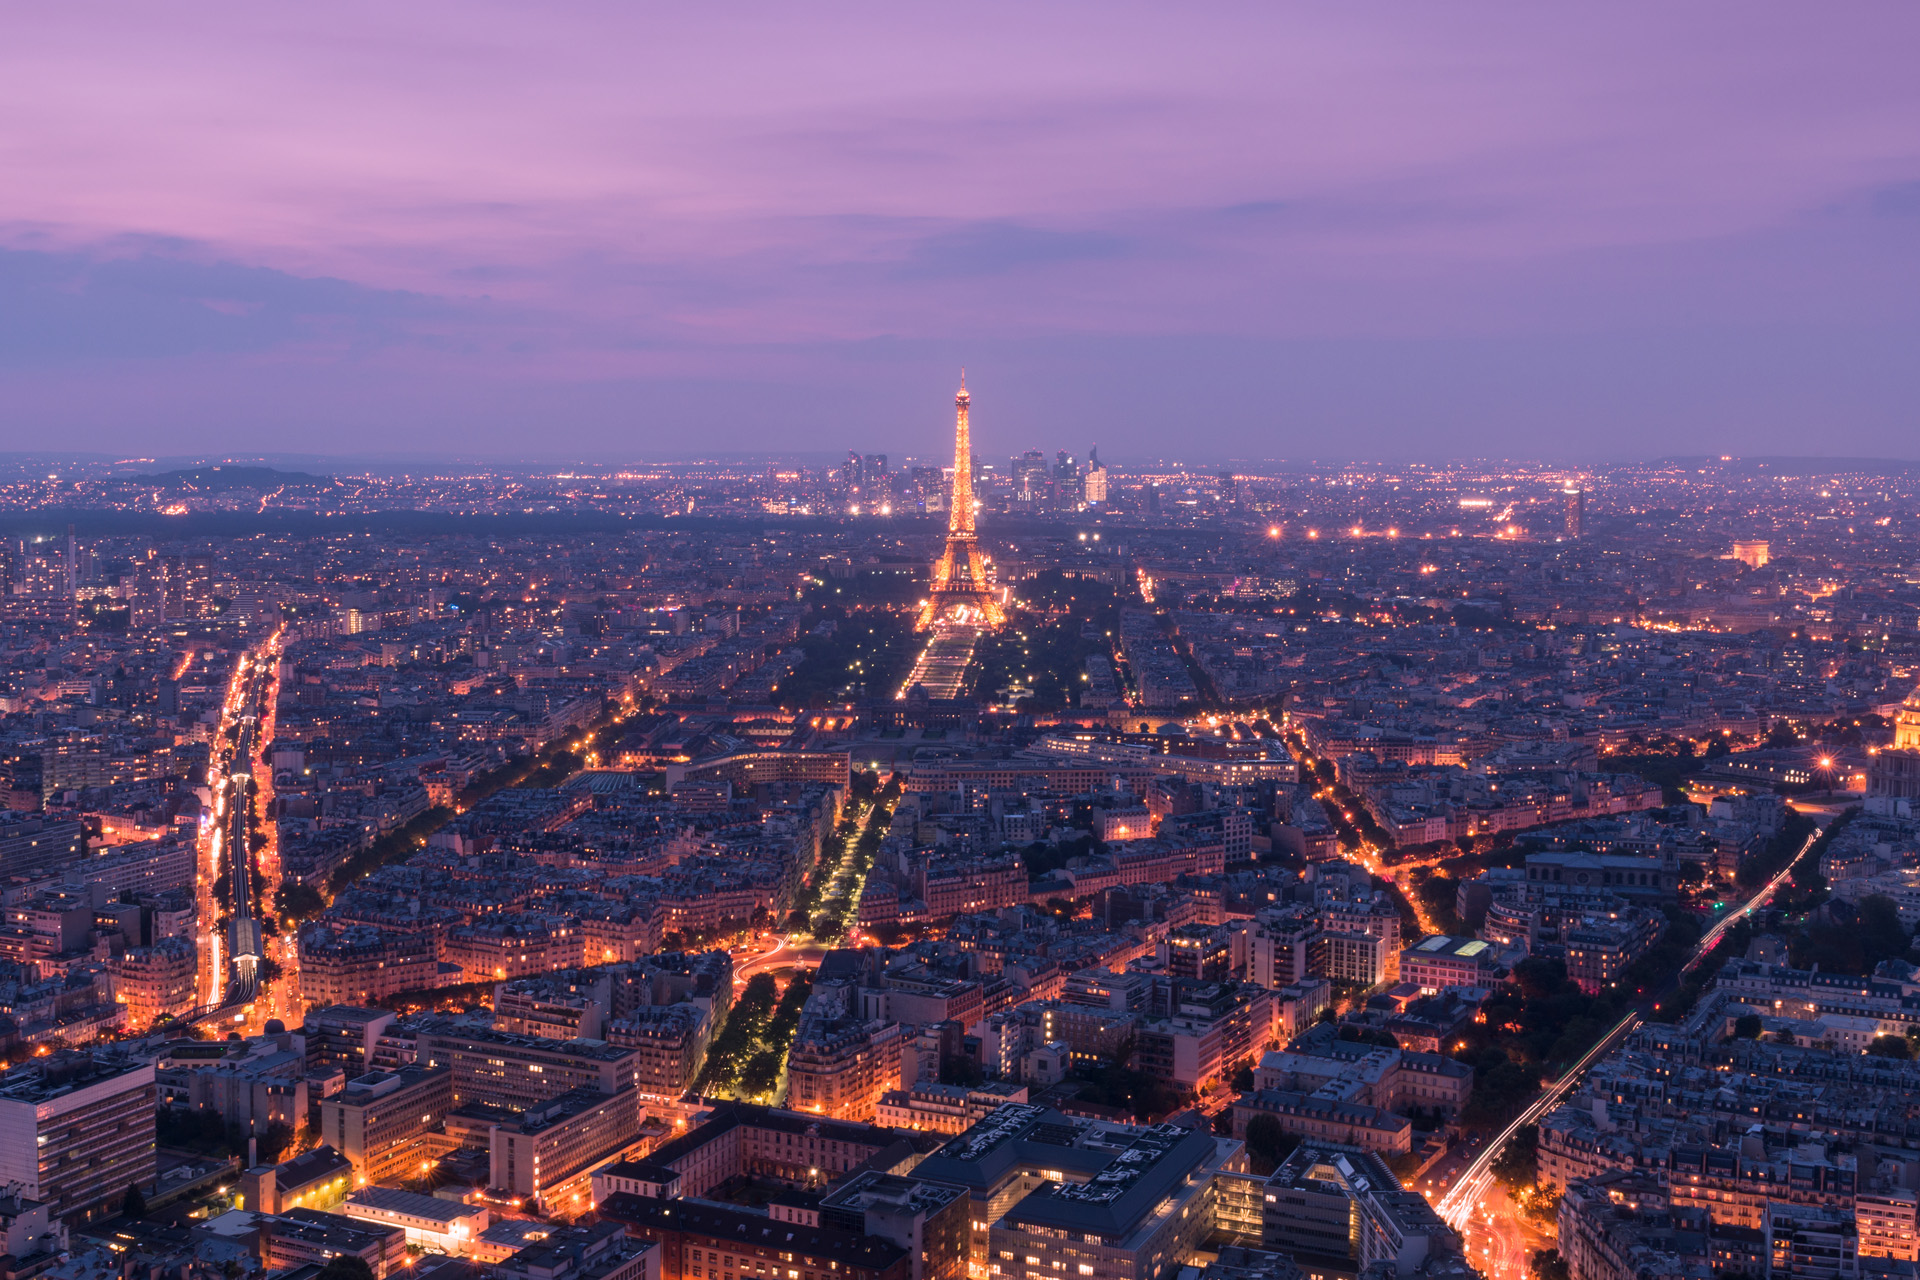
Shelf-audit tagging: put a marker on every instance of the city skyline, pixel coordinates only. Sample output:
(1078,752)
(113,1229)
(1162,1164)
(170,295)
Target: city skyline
(552,841)
(1627,233)
(1380,740)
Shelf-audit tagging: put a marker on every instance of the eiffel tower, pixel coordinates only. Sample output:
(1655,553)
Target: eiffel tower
(961,595)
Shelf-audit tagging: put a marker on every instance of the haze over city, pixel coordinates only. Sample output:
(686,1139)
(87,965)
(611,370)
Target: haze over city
(614,233)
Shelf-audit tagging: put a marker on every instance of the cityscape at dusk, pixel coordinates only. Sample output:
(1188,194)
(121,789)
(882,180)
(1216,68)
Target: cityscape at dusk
(1049,643)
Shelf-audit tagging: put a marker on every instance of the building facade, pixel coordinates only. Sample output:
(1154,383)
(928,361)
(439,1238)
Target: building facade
(76,1130)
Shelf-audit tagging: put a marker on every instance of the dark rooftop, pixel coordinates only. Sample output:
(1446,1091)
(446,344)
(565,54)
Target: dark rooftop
(743,1227)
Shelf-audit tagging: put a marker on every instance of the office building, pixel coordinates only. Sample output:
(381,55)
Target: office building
(1142,1213)
(739,1139)
(549,1155)
(431,1224)
(343,1037)
(316,1179)
(603,1251)
(305,1237)
(378,1119)
(1049,1195)
(522,1071)
(1340,1208)
(32,845)
(697,1238)
(1439,963)
(927,1219)
(76,1130)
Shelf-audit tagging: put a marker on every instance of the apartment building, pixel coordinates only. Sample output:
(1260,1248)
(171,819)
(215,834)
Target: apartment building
(1314,1117)
(669,1043)
(841,1067)
(1600,948)
(514,948)
(1392,1079)
(155,982)
(1375,919)
(1214,1028)
(359,964)
(945,1108)
(1280,946)
(1884,1221)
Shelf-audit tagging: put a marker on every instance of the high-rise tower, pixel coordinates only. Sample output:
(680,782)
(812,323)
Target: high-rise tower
(961,594)
(1575,498)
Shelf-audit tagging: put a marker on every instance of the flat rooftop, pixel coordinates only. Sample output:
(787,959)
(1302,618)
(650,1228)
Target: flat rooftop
(742,1227)
(411,1204)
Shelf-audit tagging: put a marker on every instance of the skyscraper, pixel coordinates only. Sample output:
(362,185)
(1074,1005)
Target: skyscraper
(960,593)
(1030,474)
(1576,500)
(1096,478)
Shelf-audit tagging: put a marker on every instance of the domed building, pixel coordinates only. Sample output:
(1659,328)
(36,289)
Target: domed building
(1906,724)
(1893,781)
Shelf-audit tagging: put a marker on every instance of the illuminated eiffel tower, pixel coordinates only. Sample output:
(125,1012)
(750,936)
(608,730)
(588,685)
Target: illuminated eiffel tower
(961,595)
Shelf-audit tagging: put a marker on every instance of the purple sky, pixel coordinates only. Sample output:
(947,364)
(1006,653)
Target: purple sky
(1596,232)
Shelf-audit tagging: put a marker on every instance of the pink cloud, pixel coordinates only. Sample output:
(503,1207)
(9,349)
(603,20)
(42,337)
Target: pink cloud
(607,191)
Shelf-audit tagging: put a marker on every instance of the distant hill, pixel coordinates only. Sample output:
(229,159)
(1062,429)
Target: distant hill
(1791,466)
(214,479)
